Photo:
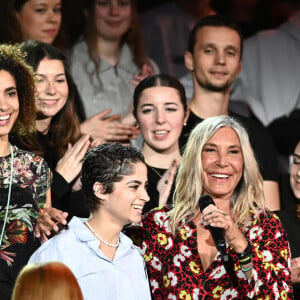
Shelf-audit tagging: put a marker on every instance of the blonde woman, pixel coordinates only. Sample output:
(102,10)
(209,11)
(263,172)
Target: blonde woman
(183,261)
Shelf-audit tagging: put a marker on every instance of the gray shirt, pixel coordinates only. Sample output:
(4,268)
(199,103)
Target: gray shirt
(114,90)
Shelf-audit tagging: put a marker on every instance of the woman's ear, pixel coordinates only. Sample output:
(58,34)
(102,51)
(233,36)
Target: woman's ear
(98,189)
(187,114)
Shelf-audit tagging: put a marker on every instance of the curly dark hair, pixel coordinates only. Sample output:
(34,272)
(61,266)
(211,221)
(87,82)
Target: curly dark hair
(12,60)
(106,164)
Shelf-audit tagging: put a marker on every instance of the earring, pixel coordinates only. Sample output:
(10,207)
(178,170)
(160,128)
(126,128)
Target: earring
(137,126)
(184,124)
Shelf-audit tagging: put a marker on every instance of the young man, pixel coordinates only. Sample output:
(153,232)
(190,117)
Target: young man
(102,258)
(214,59)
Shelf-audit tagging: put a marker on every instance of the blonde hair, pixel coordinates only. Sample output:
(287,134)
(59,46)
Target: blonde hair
(248,193)
(49,281)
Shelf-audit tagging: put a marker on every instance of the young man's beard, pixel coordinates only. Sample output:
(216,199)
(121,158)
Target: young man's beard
(214,88)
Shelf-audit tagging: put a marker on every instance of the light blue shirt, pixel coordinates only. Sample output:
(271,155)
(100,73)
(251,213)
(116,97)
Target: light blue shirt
(124,278)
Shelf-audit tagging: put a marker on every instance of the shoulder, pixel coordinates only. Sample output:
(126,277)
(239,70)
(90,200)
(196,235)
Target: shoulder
(36,162)
(265,227)
(55,248)
(157,217)
(79,53)
(255,129)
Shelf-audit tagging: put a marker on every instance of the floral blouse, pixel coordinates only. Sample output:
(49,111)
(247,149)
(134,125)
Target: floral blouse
(175,269)
(31,180)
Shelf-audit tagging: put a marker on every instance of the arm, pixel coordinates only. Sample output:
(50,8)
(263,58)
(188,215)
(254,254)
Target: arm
(268,272)
(271,259)
(271,192)
(296,270)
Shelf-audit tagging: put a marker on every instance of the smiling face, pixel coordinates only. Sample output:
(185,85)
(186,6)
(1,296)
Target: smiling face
(112,18)
(40,20)
(125,204)
(52,87)
(216,59)
(9,104)
(295,172)
(222,163)
(161,116)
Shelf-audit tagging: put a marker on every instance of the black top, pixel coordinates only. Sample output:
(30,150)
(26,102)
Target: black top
(260,140)
(288,217)
(152,191)
(61,191)
(285,132)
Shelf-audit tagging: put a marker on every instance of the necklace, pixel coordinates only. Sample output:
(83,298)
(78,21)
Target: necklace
(101,239)
(9,191)
(155,171)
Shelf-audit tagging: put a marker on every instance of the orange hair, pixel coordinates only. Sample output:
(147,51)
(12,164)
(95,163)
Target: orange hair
(49,281)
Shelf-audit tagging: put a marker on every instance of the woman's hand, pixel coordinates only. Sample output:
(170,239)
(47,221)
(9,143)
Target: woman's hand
(49,220)
(145,72)
(215,217)
(69,165)
(164,185)
(296,270)
(103,127)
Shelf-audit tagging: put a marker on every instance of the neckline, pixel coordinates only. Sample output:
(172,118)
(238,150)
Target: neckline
(100,238)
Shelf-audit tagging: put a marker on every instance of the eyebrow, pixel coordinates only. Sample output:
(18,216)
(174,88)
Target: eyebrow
(134,181)
(11,88)
(215,145)
(45,75)
(167,103)
(226,47)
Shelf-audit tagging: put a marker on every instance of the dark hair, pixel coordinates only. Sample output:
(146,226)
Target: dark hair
(214,21)
(158,80)
(12,60)
(65,126)
(10,30)
(106,164)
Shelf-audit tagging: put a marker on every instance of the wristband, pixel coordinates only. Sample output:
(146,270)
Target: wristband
(246,253)
(246,260)
(247,269)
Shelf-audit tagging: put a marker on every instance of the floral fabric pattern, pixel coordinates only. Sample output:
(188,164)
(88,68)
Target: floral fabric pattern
(31,180)
(176,272)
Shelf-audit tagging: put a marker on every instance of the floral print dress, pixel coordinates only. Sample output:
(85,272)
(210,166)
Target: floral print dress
(175,269)
(31,180)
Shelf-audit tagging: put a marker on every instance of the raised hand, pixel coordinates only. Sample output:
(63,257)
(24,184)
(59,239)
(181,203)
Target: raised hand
(145,72)
(164,185)
(102,127)
(70,164)
(296,270)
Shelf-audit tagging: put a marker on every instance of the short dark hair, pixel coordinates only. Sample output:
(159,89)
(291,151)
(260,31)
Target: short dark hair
(106,164)
(158,80)
(12,60)
(214,21)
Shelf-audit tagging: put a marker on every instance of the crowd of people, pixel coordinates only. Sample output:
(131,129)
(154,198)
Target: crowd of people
(135,167)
